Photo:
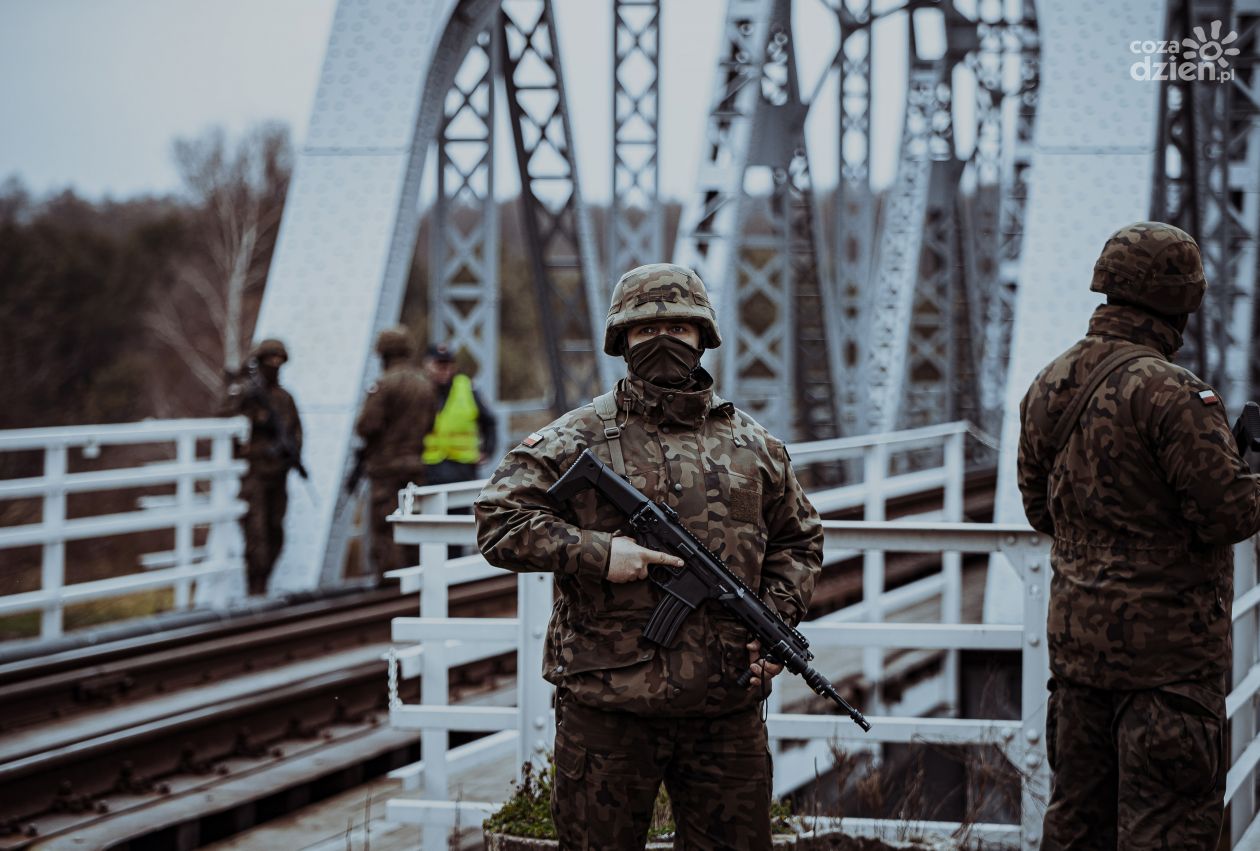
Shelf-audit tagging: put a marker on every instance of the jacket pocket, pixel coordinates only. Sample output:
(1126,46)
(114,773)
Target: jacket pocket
(602,646)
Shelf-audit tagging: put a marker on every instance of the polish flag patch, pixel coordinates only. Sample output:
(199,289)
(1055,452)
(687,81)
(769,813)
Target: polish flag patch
(533,440)
(1209,397)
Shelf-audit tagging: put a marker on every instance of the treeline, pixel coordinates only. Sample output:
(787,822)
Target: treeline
(114,311)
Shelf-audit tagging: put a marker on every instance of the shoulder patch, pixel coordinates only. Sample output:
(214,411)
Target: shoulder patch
(533,439)
(1209,397)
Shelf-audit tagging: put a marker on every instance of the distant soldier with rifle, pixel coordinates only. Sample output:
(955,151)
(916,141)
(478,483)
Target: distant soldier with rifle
(396,415)
(274,447)
(674,698)
(1128,461)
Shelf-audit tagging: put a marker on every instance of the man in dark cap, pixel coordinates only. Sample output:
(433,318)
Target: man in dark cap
(463,434)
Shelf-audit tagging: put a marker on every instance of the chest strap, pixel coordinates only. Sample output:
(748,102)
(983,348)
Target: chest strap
(606,409)
(1067,422)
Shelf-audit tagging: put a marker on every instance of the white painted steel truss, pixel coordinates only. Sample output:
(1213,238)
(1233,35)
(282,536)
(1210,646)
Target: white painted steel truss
(635,229)
(464,235)
(557,225)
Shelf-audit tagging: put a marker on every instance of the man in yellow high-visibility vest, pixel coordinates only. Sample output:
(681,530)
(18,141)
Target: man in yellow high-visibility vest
(463,434)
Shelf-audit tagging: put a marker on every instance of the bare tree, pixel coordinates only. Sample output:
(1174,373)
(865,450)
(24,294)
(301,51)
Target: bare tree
(238,195)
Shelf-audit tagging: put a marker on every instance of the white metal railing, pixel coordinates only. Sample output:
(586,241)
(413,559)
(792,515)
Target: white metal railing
(213,506)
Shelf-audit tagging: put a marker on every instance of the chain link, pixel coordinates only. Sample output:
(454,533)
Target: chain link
(394,700)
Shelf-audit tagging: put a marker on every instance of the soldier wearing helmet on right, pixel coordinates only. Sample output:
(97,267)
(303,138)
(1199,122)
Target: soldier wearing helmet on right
(396,415)
(631,715)
(1127,460)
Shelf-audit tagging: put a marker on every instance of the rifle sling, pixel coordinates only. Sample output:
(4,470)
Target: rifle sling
(1072,416)
(606,409)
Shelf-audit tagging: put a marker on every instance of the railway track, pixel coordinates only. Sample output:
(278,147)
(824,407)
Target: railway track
(177,739)
(134,726)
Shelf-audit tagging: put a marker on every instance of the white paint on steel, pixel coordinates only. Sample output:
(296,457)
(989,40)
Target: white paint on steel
(348,233)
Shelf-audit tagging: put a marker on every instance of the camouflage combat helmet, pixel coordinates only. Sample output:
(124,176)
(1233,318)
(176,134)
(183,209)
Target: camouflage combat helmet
(659,291)
(395,342)
(1152,265)
(268,347)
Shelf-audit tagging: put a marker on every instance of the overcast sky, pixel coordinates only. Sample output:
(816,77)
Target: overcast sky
(92,92)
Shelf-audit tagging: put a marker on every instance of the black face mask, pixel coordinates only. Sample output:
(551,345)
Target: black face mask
(664,360)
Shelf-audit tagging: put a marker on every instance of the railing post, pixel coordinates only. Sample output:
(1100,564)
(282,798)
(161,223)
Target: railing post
(951,562)
(1242,727)
(1032,561)
(875,470)
(434,675)
(533,608)
(216,591)
(53,568)
(185,457)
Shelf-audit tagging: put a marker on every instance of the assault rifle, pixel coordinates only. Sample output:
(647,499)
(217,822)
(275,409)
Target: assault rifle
(702,577)
(1247,428)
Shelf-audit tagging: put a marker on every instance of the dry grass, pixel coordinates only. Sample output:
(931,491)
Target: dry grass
(85,615)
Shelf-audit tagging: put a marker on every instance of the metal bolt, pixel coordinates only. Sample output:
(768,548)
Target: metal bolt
(1035,590)
(1034,640)
(538,633)
(1034,539)
(1032,760)
(1008,735)
(540,722)
(540,745)
(1011,539)
(1034,566)
(1033,736)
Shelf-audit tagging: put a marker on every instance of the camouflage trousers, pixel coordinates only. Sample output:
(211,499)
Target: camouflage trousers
(263,525)
(1135,769)
(610,765)
(386,555)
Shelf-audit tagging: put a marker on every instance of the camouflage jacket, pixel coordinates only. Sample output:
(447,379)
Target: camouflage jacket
(396,415)
(732,484)
(1143,504)
(272,414)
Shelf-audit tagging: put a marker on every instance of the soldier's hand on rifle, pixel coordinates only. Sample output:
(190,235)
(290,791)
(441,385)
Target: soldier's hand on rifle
(628,562)
(761,668)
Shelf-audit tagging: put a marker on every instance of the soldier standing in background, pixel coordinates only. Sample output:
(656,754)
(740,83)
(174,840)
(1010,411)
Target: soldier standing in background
(1128,461)
(274,447)
(396,415)
(631,714)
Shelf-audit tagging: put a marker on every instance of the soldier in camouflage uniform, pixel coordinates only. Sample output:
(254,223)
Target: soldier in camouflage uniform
(631,714)
(396,415)
(1143,492)
(274,447)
